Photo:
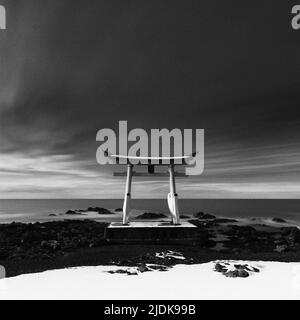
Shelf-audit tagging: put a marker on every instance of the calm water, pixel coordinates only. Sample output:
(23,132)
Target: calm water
(39,210)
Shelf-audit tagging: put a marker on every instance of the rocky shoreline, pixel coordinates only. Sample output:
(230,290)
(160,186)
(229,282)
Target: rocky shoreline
(48,240)
(33,247)
(81,212)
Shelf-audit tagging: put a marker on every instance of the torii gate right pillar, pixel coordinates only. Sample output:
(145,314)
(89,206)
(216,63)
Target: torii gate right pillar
(173,197)
(127,197)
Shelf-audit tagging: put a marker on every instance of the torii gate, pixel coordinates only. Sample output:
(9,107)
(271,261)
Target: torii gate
(170,162)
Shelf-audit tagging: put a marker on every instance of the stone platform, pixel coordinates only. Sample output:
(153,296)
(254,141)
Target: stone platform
(144,232)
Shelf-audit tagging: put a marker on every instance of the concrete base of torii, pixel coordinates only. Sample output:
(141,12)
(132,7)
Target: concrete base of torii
(144,232)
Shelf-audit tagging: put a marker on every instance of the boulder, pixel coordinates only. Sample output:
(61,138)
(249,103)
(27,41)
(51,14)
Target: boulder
(99,210)
(220,268)
(73,212)
(198,214)
(151,215)
(238,273)
(235,270)
(202,215)
(143,268)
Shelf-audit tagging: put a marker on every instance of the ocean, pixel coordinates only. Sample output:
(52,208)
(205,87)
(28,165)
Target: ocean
(32,210)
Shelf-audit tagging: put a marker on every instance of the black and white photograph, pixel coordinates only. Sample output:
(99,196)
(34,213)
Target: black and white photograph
(149,150)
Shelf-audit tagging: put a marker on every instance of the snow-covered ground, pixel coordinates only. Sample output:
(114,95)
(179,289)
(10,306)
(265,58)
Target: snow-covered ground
(276,280)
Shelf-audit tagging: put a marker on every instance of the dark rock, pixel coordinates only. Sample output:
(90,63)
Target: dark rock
(201,215)
(280,220)
(158,267)
(182,216)
(99,210)
(73,212)
(31,236)
(119,210)
(143,268)
(285,231)
(244,230)
(206,242)
(40,240)
(240,270)
(243,274)
(231,273)
(237,273)
(151,215)
(117,271)
(52,215)
(208,216)
(203,223)
(242,267)
(198,214)
(160,261)
(220,268)
(291,235)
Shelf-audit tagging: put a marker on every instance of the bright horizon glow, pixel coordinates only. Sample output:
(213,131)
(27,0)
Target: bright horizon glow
(63,176)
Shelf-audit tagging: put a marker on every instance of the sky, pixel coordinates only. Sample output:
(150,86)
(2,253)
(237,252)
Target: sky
(70,68)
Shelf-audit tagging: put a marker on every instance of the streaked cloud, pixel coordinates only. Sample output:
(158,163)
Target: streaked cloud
(68,72)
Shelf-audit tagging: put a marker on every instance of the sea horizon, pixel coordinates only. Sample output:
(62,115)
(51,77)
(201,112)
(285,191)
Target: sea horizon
(33,210)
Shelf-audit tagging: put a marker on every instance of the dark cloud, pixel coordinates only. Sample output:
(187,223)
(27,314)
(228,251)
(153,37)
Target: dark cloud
(69,68)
